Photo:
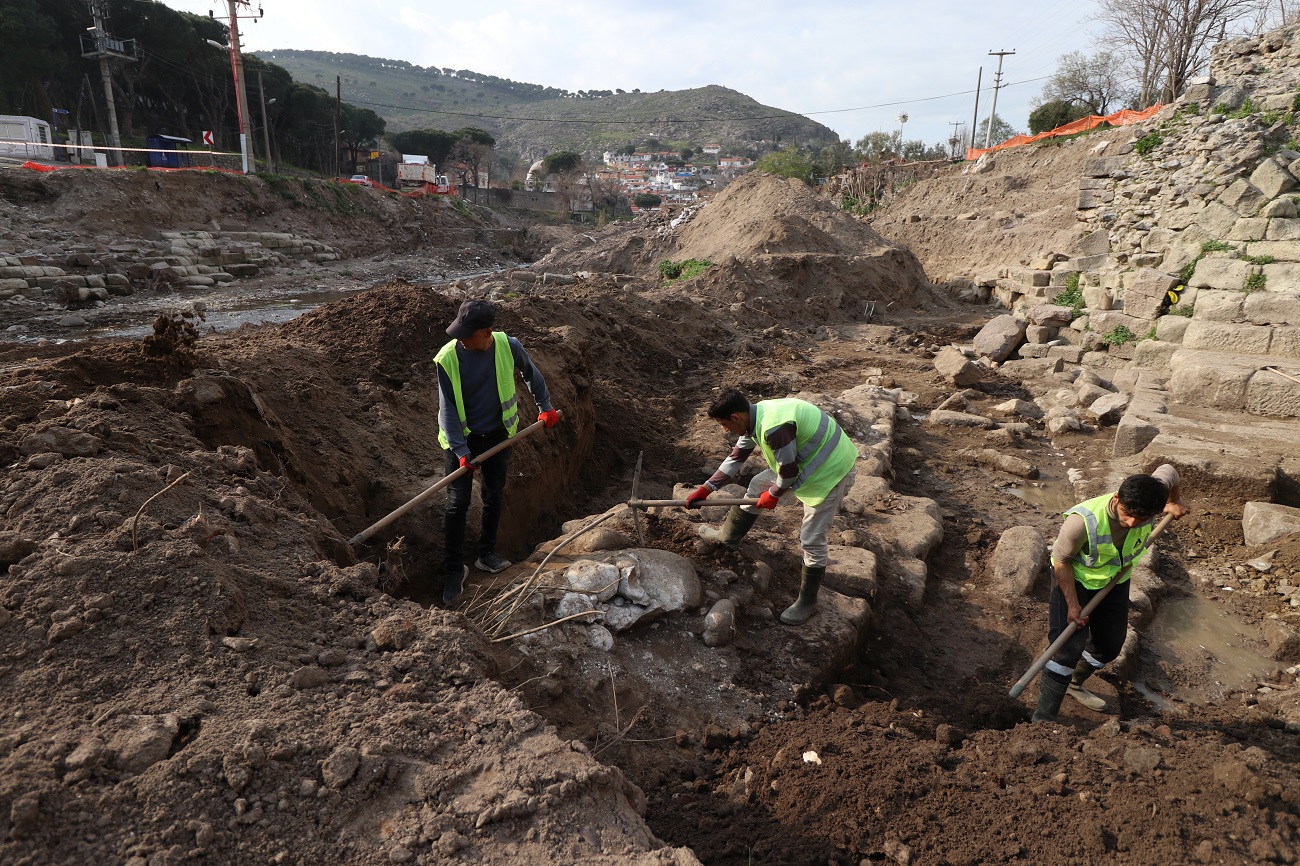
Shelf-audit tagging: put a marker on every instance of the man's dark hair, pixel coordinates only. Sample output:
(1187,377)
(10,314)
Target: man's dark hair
(1143,496)
(729,402)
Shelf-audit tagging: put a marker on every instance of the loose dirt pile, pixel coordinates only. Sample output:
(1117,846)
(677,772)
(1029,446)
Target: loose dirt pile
(195,666)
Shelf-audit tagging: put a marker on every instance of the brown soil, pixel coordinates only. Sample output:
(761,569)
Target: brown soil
(195,665)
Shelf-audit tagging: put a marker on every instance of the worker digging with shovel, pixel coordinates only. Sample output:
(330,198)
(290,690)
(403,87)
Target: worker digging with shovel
(807,454)
(478,409)
(1099,542)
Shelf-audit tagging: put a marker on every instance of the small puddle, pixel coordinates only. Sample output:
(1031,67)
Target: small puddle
(1202,652)
(227,316)
(1047,493)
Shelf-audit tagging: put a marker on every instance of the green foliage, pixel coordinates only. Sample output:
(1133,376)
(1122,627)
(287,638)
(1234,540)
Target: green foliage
(433,143)
(1191,108)
(1247,108)
(683,270)
(1054,113)
(647,199)
(1185,273)
(1295,102)
(1150,334)
(1118,334)
(1148,143)
(1184,310)
(1269,118)
(1216,247)
(562,162)
(787,162)
(858,207)
(1289,120)
(1255,283)
(1259,260)
(1072,296)
(1220,108)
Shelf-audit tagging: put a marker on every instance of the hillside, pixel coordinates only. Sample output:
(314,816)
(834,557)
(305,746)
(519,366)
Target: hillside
(413,97)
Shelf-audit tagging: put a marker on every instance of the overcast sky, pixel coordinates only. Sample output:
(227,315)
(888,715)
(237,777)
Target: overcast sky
(852,65)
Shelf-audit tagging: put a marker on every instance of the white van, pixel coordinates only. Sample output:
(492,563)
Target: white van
(25,136)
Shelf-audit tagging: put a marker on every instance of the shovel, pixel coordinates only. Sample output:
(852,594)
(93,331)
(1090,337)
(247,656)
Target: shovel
(1071,628)
(370,530)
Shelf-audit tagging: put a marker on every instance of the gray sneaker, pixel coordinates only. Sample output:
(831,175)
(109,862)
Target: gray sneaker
(453,584)
(491,563)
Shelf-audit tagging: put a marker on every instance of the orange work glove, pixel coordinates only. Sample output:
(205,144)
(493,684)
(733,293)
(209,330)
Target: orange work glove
(767,500)
(696,499)
(549,418)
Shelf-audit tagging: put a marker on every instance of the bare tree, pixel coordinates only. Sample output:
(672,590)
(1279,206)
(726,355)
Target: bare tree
(1095,83)
(1165,42)
(1273,14)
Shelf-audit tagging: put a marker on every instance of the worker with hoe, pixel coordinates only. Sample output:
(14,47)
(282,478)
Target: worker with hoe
(478,408)
(1098,539)
(807,454)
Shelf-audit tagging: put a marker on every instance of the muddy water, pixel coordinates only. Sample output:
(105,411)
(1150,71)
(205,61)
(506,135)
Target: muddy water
(1201,651)
(1049,494)
(227,314)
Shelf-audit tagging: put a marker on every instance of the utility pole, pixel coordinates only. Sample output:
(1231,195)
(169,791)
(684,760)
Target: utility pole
(266,126)
(247,158)
(101,46)
(338,101)
(997,84)
(954,139)
(975,120)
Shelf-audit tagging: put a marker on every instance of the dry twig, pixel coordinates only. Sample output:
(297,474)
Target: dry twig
(135,523)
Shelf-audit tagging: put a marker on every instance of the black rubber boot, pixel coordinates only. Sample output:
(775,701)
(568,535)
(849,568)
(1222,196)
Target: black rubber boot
(798,613)
(732,530)
(453,584)
(1082,671)
(1051,692)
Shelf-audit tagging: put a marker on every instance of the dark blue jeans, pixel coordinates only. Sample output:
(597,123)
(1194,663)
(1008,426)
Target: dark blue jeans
(1107,626)
(492,485)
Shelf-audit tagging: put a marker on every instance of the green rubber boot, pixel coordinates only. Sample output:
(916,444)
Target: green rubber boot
(1082,671)
(732,530)
(798,613)
(1051,692)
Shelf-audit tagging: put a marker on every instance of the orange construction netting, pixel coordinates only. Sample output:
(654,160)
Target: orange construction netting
(1122,117)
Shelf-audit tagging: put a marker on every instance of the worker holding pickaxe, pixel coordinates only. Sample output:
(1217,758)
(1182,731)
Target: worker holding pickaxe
(807,454)
(1099,542)
(478,411)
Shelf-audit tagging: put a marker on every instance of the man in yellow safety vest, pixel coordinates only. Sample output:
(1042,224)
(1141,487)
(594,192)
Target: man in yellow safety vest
(1099,538)
(478,409)
(807,454)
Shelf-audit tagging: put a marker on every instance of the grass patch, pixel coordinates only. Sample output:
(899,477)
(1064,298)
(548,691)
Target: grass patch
(1255,283)
(1184,310)
(1216,247)
(1150,334)
(1259,260)
(1185,274)
(1118,334)
(1148,143)
(1072,296)
(683,270)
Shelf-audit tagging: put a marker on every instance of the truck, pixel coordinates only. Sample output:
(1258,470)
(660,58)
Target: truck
(26,137)
(416,171)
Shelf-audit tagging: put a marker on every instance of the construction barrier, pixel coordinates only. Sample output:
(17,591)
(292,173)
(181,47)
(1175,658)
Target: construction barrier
(1122,117)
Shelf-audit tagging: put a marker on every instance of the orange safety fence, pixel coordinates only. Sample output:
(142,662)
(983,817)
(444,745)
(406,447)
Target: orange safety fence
(1123,117)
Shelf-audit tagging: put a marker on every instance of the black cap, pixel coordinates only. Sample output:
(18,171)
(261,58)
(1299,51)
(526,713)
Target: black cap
(474,315)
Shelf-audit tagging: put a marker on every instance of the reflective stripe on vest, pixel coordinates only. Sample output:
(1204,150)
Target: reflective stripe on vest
(824,454)
(1099,559)
(505,368)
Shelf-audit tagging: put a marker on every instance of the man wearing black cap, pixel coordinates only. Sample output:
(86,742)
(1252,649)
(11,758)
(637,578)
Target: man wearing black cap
(478,409)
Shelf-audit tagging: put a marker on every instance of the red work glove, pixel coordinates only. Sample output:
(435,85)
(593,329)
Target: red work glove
(696,499)
(466,464)
(766,500)
(549,418)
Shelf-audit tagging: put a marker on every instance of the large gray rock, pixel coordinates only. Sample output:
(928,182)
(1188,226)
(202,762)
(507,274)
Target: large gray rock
(1227,337)
(1243,197)
(852,572)
(1108,409)
(950,418)
(999,338)
(1272,178)
(1052,315)
(1271,308)
(1283,641)
(144,741)
(1217,306)
(1146,293)
(1018,559)
(1217,273)
(1132,436)
(1265,522)
(956,367)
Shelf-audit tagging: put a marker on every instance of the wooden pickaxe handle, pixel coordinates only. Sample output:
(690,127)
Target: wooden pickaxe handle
(681,503)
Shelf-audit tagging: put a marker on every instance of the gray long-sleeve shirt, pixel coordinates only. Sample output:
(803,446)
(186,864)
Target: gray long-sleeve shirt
(478,383)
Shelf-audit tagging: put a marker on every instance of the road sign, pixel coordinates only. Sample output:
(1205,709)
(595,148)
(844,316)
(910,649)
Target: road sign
(208,138)
(374,154)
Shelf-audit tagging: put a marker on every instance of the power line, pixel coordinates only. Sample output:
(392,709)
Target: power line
(597,121)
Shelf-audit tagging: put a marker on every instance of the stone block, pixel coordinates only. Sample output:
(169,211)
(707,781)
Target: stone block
(1217,219)
(1272,178)
(1061,277)
(1103,166)
(1282,208)
(1209,379)
(1068,354)
(1087,263)
(1227,337)
(1283,230)
(1098,297)
(1266,522)
(999,337)
(11,287)
(1270,394)
(1282,277)
(1159,239)
(1285,343)
(1154,354)
(1244,198)
(1033,350)
(1019,560)
(852,571)
(1132,436)
(956,367)
(1032,369)
(1271,308)
(1217,306)
(1094,198)
(1217,273)
(1109,320)
(1170,329)
(1282,251)
(1108,408)
(1039,334)
(1095,243)
(1051,315)
(1248,229)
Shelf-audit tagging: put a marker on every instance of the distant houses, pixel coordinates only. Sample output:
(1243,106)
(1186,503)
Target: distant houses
(663,174)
